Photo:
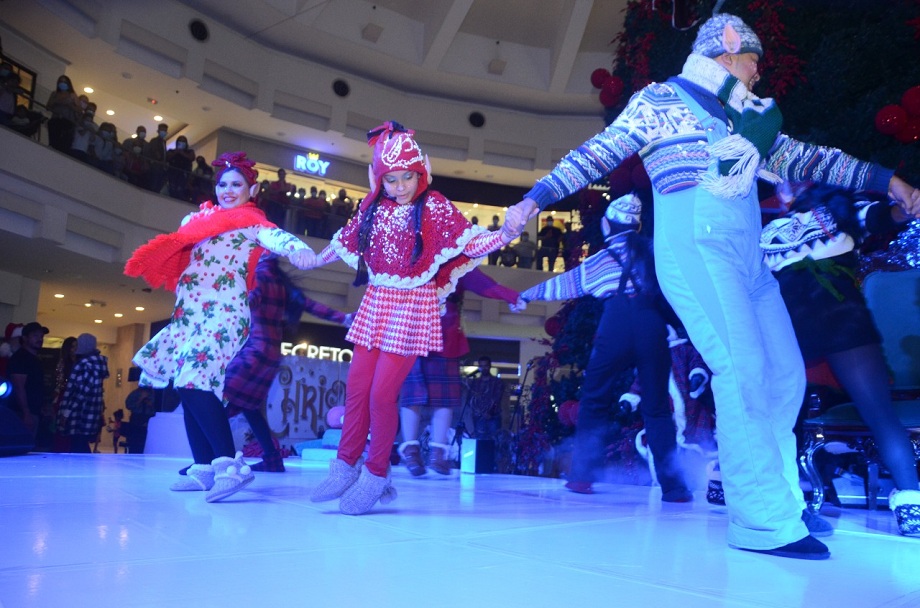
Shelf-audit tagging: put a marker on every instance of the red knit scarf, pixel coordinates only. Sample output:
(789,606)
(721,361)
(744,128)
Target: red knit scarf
(165,257)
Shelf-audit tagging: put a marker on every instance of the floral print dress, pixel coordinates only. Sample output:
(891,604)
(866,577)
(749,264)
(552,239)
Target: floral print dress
(211,319)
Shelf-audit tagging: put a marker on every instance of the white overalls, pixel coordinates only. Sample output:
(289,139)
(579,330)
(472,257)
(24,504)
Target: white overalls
(711,270)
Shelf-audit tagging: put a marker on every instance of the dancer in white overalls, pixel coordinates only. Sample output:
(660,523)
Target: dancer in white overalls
(704,139)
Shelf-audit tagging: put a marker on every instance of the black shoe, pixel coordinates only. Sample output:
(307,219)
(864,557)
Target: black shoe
(817,526)
(677,495)
(805,548)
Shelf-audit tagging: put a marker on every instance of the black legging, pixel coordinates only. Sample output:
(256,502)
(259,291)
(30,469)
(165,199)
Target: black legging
(631,332)
(260,429)
(206,425)
(862,373)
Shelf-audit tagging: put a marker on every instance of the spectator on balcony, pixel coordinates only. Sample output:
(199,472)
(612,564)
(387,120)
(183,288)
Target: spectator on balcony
(104,147)
(202,180)
(65,109)
(155,153)
(179,160)
(525,250)
(314,213)
(342,205)
(118,158)
(136,166)
(9,88)
(493,257)
(550,238)
(84,137)
(274,201)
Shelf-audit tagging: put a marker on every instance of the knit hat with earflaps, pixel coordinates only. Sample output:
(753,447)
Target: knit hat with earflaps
(725,33)
(395,149)
(625,210)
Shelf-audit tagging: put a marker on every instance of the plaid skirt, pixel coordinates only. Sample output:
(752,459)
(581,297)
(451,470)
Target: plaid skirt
(433,381)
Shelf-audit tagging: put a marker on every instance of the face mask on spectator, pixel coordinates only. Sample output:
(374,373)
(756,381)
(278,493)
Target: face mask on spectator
(141,134)
(4,73)
(62,86)
(182,145)
(107,134)
(162,134)
(90,114)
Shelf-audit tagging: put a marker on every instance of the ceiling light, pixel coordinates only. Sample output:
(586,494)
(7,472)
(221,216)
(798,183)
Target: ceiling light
(371,32)
(139,308)
(58,295)
(158,118)
(118,315)
(497,67)
(98,321)
(88,90)
(88,305)
(110,112)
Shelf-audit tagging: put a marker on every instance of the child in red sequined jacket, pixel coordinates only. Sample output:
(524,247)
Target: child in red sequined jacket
(410,245)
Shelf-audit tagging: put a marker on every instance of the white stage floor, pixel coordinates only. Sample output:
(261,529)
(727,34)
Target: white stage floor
(103,529)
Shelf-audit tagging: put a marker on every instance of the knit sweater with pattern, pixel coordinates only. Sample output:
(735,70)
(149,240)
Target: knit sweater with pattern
(598,276)
(672,143)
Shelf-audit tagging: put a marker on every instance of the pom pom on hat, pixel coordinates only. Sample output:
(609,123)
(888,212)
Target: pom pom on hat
(725,33)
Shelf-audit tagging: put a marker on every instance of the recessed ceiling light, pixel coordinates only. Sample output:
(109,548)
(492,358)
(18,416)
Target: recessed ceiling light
(110,112)
(88,305)
(475,205)
(58,295)
(98,321)
(88,90)
(158,118)
(139,308)
(118,315)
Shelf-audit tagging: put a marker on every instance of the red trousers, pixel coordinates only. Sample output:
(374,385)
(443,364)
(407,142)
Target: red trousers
(374,381)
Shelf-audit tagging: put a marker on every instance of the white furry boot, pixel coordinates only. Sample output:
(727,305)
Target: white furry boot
(365,493)
(199,477)
(230,476)
(341,477)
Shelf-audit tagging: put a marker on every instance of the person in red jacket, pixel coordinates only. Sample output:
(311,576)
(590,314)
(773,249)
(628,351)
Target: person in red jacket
(434,381)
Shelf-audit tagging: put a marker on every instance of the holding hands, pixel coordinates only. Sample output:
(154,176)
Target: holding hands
(906,196)
(304,259)
(519,306)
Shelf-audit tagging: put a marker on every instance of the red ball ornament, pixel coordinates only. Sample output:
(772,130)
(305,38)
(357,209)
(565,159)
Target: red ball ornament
(599,77)
(911,131)
(553,326)
(607,100)
(568,412)
(611,91)
(891,119)
(910,101)
(334,417)
(614,86)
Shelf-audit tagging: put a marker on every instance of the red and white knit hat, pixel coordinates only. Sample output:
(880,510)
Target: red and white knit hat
(394,150)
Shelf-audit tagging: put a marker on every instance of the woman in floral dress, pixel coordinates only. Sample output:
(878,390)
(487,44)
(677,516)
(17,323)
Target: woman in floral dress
(210,263)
